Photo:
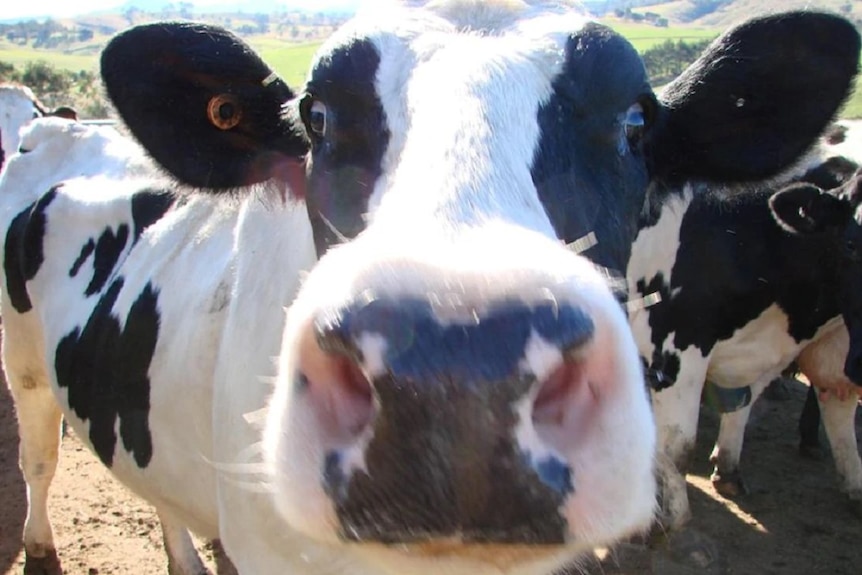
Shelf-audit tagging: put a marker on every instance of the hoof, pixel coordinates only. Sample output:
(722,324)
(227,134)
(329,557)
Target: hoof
(49,564)
(729,485)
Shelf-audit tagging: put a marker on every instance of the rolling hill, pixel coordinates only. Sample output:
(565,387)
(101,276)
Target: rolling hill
(724,13)
(288,39)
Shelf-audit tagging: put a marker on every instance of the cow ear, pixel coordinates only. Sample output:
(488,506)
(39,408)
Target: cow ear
(806,209)
(756,99)
(203,105)
(64,112)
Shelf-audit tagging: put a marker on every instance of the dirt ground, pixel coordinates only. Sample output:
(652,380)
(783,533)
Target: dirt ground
(794,521)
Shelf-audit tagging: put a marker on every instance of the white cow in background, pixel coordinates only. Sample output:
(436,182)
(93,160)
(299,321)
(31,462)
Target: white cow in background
(18,105)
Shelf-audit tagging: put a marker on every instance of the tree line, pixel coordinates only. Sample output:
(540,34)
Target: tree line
(55,87)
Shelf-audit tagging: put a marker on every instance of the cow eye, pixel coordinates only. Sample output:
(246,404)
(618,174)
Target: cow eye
(317,118)
(23,150)
(634,123)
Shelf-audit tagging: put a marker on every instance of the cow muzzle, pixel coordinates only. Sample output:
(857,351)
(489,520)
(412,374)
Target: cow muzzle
(442,412)
(425,401)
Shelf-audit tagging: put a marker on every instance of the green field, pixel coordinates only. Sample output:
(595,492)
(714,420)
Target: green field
(19,56)
(291,60)
(644,36)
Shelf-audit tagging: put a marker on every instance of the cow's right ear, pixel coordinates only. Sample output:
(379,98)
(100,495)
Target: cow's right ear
(757,98)
(203,105)
(806,209)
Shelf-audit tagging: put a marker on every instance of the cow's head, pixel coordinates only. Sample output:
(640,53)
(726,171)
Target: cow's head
(833,217)
(18,106)
(454,382)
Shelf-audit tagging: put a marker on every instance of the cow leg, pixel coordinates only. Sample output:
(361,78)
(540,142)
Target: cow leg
(183,558)
(39,420)
(809,426)
(676,409)
(726,477)
(839,422)
(39,424)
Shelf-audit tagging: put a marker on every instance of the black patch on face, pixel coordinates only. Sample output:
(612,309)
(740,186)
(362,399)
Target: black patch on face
(2,152)
(24,250)
(105,370)
(589,177)
(442,460)
(830,174)
(733,262)
(345,161)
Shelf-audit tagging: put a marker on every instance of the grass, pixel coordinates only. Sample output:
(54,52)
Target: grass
(645,36)
(853,108)
(19,56)
(290,61)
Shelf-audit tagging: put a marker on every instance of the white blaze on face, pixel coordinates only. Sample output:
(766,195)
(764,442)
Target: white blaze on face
(461,109)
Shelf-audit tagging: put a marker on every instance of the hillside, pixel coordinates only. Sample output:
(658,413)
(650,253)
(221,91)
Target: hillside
(723,13)
(74,43)
(287,40)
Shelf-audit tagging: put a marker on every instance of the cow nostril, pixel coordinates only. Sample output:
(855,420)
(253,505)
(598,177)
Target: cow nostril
(340,390)
(352,379)
(553,399)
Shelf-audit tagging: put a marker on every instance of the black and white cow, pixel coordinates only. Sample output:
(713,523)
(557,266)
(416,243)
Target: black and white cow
(18,106)
(50,149)
(737,298)
(455,389)
(810,211)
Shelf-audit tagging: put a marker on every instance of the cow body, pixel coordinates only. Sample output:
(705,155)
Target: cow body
(739,299)
(454,388)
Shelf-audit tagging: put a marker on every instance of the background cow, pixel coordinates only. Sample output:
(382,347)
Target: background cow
(18,106)
(740,299)
(455,390)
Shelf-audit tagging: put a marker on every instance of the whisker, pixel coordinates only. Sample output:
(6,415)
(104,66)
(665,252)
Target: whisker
(251,486)
(341,237)
(250,461)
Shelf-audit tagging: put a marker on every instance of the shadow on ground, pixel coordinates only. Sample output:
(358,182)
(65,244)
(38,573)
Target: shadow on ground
(13,496)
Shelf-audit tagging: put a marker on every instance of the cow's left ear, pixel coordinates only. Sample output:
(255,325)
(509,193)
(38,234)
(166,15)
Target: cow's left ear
(203,105)
(806,209)
(757,98)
